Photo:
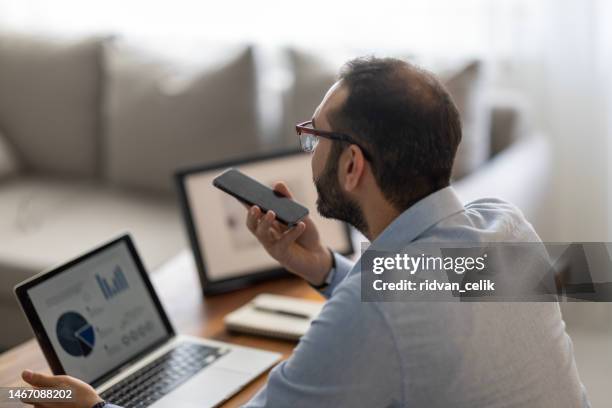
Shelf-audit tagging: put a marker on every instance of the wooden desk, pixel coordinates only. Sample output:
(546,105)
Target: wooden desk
(178,287)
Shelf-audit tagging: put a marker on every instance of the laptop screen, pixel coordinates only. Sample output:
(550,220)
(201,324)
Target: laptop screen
(98,314)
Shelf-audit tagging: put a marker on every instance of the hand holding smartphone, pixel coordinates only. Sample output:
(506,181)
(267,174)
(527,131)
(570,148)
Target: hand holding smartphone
(298,249)
(252,192)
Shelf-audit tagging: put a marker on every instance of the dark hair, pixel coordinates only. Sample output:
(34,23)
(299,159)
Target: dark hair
(406,119)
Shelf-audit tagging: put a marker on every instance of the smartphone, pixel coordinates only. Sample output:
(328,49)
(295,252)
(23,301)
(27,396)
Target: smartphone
(252,192)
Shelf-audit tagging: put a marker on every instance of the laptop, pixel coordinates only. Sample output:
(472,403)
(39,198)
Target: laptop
(99,319)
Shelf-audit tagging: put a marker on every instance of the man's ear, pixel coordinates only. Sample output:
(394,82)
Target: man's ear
(352,168)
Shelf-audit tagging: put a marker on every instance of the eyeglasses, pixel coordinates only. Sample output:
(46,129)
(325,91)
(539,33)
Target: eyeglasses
(309,138)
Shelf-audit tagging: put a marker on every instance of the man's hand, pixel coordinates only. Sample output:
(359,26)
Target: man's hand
(297,249)
(84,396)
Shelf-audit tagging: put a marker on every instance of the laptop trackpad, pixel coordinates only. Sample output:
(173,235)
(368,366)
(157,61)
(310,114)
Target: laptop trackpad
(206,389)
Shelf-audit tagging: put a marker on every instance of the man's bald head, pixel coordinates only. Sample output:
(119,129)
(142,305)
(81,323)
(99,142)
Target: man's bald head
(405,117)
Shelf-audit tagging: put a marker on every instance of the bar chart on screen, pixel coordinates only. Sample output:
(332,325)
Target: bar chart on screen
(118,283)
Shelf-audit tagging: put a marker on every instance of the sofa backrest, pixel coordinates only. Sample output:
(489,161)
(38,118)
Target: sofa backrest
(50,102)
(106,109)
(9,165)
(161,116)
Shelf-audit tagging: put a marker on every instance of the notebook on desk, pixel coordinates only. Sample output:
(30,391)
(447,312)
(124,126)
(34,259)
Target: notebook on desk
(274,316)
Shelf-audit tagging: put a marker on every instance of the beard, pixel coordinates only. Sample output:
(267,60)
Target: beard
(332,202)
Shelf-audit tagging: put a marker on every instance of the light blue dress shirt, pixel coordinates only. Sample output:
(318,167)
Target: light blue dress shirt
(430,354)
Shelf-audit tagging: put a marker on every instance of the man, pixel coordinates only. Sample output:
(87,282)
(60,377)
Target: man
(383,141)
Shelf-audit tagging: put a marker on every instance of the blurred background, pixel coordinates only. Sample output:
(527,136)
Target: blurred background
(100,102)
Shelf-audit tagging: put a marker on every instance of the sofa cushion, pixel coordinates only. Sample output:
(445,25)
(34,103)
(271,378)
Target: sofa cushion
(466,83)
(48,221)
(313,75)
(8,161)
(50,102)
(510,118)
(164,115)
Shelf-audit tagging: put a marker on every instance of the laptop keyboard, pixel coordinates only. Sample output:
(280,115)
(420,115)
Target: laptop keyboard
(162,375)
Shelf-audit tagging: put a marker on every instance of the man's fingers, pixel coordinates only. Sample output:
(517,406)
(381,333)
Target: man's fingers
(282,189)
(253,217)
(265,223)
(280,226)
(264,226)
(262,231)
(39,379)
(291,235)
(274,233)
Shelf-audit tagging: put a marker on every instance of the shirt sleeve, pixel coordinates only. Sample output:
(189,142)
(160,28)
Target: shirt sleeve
(348,358)
(337,274)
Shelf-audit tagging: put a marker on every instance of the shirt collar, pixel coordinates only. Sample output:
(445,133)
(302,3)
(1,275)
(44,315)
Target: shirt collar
(418,218)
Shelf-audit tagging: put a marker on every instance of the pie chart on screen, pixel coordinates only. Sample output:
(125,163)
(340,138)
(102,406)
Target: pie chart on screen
(76,336)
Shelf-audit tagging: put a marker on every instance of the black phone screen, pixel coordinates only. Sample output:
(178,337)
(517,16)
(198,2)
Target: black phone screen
(252,192)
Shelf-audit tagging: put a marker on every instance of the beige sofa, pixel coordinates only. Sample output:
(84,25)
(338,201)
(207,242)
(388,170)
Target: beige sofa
(91,131)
